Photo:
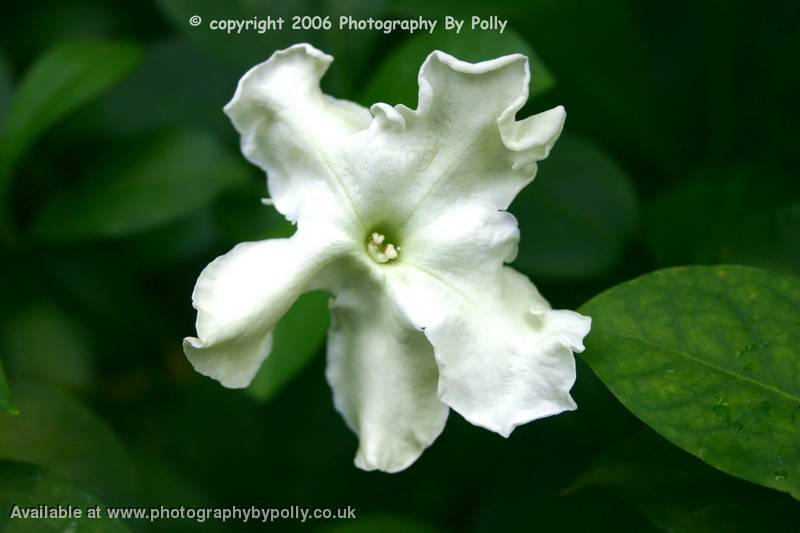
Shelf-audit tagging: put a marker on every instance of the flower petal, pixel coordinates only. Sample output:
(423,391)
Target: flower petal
(505,358)
(384,379)
(326,159)
(462,141)
(291,129)
(241,295)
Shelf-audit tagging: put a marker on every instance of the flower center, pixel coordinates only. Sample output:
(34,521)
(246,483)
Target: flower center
(380,250)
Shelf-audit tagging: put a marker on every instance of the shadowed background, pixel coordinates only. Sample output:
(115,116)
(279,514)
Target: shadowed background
(120,179)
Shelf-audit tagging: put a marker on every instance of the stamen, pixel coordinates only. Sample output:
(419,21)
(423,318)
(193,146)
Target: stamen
(380,252)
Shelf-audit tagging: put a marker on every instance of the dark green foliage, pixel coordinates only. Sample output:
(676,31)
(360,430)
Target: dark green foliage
(707,356)
(29,486)
(63,79)
(121,178)
(4,400)
(680,493)
(577,216)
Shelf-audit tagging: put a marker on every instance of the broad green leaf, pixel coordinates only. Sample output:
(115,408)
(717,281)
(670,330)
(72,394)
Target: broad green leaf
(29,486)
(63,79)
(678,492)
(55,431)
(141,185)
(297,339)
(578,214)
(395,81)
(41,340)
(5,404)
(707,356)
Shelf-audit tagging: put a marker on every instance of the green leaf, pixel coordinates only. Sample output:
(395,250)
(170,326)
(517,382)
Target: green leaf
(678,492)
(297,339)
(29,486)
(41,340)
(141,185)
(55,431)
(707,356)
(60,81)
(395,81)
(578,214)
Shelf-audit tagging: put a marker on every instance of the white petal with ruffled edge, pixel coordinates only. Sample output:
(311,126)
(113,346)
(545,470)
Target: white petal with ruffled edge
(293,131)
(505,358)
(462,143)
(437,181)
(241,295)
(384,379)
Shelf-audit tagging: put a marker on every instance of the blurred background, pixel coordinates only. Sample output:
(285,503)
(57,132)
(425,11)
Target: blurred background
(120,179)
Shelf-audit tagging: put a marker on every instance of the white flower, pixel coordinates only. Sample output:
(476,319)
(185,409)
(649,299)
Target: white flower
(401,214)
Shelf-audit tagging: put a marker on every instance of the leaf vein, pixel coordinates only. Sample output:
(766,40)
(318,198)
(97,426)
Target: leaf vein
(707,364)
